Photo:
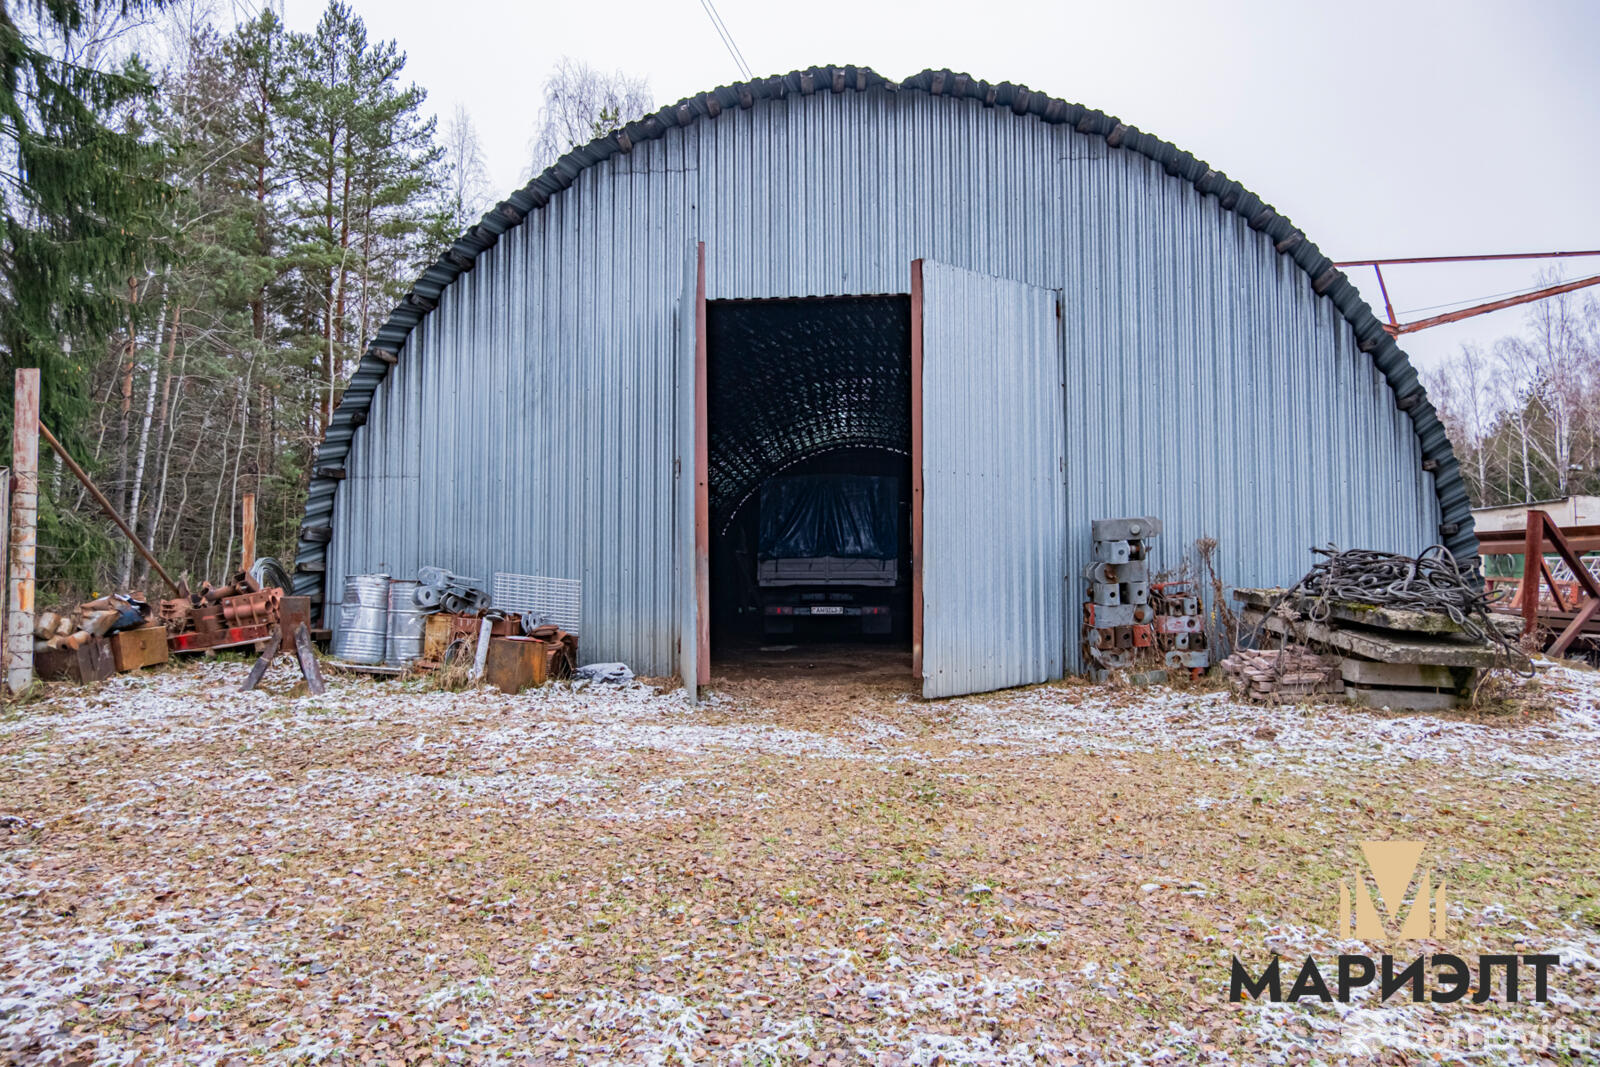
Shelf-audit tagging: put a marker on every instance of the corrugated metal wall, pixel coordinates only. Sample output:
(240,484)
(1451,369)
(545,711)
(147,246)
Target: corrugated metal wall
(992,474)
(529,425)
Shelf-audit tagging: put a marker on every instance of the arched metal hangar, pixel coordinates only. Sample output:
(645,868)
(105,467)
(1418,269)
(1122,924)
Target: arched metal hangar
(1046,315)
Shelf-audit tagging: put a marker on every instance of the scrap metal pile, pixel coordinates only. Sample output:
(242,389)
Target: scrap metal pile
(388,625)
(1130,624)
(99,637)
(1407,632)
(1180,627)
(124,631)
(1117,614)
(240,611)
(1430,583)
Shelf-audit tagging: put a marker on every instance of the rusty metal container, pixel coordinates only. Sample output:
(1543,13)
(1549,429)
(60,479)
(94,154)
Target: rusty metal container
(407,622)
(89,662)
(515,663)
(293,611)
(363,619)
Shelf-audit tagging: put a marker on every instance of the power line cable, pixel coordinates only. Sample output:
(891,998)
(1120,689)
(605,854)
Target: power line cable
(1470,301)
(727,38)
(727,33)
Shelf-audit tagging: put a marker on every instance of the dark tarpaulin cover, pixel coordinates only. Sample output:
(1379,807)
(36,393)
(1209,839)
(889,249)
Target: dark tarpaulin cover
(847,516)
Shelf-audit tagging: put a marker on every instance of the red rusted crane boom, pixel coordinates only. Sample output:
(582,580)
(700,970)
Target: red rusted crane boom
(1396,328)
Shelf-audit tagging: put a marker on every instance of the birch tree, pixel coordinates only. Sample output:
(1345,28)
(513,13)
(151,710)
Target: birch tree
(580,104)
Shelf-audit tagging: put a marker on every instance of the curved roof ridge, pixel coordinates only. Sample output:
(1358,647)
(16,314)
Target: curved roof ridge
(1438,458)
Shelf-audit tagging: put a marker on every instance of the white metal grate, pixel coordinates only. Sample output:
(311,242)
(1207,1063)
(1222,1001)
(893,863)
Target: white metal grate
(558,599)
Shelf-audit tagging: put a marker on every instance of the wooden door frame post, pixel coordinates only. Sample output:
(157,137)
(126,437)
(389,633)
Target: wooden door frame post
(24,531)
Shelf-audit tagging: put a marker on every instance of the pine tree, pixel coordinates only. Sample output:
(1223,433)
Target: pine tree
(362,161)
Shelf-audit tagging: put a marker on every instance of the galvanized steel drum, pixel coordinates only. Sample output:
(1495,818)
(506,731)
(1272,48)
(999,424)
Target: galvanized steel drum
(407,619)
(363,619)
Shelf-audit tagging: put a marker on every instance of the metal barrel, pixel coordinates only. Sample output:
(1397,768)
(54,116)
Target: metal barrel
(363,619)
(406,622)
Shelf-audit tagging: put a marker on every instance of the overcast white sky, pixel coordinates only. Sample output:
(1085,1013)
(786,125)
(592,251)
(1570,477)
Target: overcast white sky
(1392,128)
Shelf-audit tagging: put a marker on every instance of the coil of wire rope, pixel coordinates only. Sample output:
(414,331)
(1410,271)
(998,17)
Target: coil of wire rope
(1432,582)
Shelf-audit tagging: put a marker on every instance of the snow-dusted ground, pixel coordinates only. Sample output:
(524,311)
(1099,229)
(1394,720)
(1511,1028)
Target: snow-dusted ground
(117,964)
(1298,738)
(179,708)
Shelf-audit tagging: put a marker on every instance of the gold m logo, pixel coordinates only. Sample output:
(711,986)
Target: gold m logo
(1393,863)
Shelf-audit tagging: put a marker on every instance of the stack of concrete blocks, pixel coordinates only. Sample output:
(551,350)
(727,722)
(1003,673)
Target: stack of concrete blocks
(1118,618)
(1180,628)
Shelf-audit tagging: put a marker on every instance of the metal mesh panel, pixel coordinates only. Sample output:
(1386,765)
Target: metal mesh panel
(558,599)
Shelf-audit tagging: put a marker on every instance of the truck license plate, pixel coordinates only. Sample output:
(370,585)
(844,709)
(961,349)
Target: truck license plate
(827,611)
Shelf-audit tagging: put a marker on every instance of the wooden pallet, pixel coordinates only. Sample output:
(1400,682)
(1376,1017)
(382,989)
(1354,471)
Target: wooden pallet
(1275,675)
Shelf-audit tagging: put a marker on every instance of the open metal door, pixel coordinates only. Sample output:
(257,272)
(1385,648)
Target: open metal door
(693,533)
(988,499)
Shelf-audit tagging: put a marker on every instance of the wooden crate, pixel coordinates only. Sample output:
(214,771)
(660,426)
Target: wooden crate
(91,662)
(144,647)
(441,629)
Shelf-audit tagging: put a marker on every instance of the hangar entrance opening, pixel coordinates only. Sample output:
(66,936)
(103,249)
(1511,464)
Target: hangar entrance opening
(808,422)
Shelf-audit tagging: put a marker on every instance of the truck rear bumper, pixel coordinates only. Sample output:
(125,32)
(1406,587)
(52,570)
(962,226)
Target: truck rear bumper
(780,618)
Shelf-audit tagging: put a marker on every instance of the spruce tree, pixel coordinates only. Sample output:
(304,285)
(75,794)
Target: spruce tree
(80,196)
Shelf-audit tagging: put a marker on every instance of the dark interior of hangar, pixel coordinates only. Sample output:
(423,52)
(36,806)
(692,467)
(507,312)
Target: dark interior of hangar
(809,467)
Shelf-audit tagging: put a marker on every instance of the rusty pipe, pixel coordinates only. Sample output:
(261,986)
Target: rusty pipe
(105,505)
(1490,258)
(1496,305)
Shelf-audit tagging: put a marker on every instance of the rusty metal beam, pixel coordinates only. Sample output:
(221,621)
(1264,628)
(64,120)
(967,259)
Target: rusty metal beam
(1384,289)
(1493,305)
(1492,257)
(111,512)
(1532,561)
(1511,542)
(1575,627)
(1541,531)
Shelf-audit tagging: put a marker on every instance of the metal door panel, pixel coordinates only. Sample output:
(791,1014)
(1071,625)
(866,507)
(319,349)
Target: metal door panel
(992,456)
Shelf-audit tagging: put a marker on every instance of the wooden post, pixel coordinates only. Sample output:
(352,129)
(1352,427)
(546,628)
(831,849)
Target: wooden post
(249,531)
(24,533)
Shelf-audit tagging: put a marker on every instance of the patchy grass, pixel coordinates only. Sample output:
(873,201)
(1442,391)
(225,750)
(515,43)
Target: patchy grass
(1057,874)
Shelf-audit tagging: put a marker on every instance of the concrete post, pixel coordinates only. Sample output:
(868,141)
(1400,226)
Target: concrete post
(24,531)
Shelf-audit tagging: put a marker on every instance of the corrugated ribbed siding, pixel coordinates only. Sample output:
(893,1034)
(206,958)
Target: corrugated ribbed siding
(529,423)
(993,514)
